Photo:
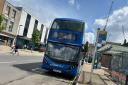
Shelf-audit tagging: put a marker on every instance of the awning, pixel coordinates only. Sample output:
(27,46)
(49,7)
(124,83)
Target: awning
(9,36)
(105,48)
(22,37)
(112,52)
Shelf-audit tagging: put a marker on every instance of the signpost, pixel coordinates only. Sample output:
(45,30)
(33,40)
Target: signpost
(102,38)
(100,41)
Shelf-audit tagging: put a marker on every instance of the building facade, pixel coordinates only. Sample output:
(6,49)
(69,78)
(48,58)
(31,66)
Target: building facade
(11,20)
(27,25)
(20,25)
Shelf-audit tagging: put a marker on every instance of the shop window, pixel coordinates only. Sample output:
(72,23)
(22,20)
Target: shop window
(11,26)
(13,14)
(5,22)
(7,11)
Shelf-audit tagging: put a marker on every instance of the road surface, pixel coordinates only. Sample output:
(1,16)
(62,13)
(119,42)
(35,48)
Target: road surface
(25,70)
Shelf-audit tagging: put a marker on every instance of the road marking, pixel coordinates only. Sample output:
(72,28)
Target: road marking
(7,62)
(35,69)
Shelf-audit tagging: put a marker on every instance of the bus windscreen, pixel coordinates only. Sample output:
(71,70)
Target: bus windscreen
(62,52)
(68,25)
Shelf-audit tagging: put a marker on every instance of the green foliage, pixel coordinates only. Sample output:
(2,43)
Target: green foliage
(86,47)
(36,36)
(2,27)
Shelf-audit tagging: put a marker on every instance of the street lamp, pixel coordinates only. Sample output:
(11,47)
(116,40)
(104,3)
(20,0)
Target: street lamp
(94,56)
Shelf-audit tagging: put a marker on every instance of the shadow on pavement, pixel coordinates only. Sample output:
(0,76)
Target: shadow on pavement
(36,68)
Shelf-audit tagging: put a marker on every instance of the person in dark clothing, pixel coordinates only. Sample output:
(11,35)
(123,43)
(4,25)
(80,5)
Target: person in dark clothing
(31,48)
(16,50)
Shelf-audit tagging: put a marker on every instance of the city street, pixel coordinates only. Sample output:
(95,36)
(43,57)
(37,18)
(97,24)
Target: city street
(25,70)
(85,39)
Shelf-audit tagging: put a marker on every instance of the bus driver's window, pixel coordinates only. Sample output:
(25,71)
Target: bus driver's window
(55,25)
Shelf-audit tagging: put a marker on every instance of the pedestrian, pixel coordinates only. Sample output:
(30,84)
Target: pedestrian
(31,48)
(25,46)
(16,49)
(12,48)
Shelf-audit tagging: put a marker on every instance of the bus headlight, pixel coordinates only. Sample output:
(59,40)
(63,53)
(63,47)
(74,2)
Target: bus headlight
(72,67)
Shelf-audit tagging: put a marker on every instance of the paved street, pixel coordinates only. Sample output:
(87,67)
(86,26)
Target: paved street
(15,70)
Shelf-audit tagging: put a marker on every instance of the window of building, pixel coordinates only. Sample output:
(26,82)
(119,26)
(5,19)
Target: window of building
(27,25)
(7,10)
(5,22)
(36,24)
(11,26)
(13,13)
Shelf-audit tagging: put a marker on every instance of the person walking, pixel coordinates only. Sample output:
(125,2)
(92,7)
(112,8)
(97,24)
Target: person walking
(16,50)
(31,48)
(25,46)
(12,49)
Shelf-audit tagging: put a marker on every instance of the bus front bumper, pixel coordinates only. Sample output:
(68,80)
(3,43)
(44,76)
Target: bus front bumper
(60,68)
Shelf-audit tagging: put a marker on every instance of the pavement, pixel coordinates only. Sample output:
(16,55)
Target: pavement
(23,52)
(99,77)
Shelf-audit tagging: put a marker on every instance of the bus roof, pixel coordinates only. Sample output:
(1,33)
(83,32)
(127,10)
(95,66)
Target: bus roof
(70,19)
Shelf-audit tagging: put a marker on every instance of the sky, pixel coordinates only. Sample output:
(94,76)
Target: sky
(92,12)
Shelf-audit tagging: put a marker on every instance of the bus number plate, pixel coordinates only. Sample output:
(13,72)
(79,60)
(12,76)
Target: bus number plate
(56,70)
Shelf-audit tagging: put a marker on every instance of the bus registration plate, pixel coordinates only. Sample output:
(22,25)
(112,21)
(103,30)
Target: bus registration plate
(56,70)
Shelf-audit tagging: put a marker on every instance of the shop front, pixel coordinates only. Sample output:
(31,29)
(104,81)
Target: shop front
(23,41)
(6,39)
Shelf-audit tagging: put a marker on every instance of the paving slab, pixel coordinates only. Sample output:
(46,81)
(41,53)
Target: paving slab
(22,52)
(98,77)
(39,80)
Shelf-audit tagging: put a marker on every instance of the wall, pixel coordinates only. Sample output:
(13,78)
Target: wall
(22,22)
(39,26)
(9,17)
(1,5)
(44,34)
(106,60)
(31,27)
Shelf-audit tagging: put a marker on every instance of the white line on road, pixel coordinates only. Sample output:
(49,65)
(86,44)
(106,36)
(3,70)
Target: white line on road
(35,69)
(7,62)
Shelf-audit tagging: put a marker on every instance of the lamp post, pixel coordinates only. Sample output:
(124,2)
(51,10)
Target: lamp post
(94,56)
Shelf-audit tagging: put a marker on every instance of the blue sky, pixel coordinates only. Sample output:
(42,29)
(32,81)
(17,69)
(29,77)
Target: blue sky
(86,10)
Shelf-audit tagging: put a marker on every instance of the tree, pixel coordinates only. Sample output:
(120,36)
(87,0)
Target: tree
(36,36)
(2,27)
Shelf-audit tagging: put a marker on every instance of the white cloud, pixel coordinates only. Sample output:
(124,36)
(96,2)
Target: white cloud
(71,2)
(116,20)
(89,36)
(74,3)
(100,22)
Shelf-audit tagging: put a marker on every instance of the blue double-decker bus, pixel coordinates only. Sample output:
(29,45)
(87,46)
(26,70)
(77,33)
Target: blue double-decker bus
(64,46)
